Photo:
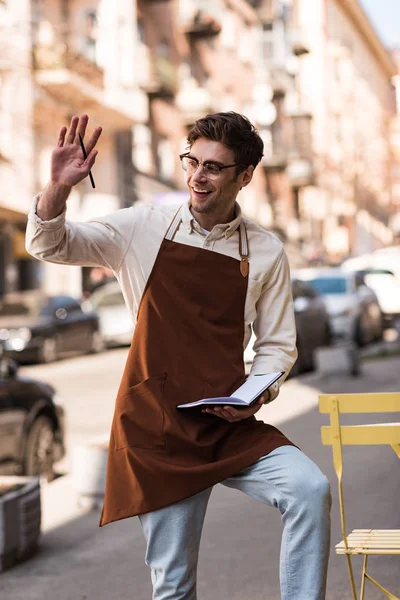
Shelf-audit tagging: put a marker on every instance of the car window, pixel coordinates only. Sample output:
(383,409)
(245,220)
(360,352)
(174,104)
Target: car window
(55,303)
(72,305)
(306,290)
(329,285)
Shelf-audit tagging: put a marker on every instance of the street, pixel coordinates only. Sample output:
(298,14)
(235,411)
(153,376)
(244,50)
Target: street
(239,555)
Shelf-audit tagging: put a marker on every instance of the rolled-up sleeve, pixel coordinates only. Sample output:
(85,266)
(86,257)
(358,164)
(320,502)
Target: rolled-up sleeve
(274,327)
(99,242)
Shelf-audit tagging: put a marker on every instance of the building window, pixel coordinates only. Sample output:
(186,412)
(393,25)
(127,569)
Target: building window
(142,157)
(140,31)
(90,34)
(166,159)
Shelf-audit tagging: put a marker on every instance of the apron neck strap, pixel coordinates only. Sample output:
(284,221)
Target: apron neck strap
(174,225)
(243,240)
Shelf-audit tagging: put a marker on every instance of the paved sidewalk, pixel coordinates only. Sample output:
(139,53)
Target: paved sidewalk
(79,561)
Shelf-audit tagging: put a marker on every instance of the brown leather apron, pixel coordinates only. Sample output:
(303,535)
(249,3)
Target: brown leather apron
(187,345)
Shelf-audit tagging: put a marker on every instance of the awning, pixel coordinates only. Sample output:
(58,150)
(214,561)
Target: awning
(8,215)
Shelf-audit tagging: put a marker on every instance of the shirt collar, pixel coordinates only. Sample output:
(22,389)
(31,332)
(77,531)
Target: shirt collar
(226,229)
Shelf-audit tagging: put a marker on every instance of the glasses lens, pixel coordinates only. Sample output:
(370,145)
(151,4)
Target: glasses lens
(189,164)
(211,170)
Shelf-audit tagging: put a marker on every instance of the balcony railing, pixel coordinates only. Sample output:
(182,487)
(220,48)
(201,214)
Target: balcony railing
(59,57)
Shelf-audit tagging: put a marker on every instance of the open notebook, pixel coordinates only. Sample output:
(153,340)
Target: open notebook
(246,395)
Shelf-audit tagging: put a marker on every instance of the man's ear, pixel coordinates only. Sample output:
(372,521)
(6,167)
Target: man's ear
(247,175)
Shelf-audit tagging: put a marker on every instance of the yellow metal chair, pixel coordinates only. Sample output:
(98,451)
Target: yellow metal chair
(361,541)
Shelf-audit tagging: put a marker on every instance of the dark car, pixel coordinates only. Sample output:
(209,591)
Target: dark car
(312,327)
(313,324)
(31,423)
(37,328)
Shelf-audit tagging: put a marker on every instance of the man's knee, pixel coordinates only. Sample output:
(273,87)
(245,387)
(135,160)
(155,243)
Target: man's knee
(312,491)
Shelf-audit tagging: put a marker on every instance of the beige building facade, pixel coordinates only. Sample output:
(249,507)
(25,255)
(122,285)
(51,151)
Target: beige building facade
(61,59)
(395,156)
(346,83)
(311,74)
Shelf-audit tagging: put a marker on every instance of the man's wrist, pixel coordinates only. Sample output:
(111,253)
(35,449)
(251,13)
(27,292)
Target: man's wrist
(52,201)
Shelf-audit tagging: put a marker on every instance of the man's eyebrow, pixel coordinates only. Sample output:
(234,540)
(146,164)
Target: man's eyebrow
(214,162)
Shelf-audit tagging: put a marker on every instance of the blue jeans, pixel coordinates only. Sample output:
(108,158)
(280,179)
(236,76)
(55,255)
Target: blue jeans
(287,479)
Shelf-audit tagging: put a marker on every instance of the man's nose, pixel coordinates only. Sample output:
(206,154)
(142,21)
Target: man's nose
(198,175)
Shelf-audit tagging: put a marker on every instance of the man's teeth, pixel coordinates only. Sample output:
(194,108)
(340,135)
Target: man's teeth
(200,191)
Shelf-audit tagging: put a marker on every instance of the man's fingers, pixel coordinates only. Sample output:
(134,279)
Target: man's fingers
(72,130)
(93,140)
(222,412)
(231,411)
(61,137)
(89,162)
(83,121)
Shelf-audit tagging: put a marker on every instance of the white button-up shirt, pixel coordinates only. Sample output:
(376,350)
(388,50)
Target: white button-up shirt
(127,242)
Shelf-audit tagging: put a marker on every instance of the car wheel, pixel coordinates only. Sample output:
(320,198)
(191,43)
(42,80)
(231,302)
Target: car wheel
(39,452)
(298,366)
(48,351)
(97,343)
(328,336)
(361,333)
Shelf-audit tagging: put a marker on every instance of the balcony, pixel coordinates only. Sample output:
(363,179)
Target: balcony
(276,160)
(57,64)
(193,102)
(281,81)
(162,78)
(76,82)
(301,132)
(201,18)
(300,44)
(300,172)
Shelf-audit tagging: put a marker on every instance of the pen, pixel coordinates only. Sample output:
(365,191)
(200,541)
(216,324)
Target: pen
(85,157)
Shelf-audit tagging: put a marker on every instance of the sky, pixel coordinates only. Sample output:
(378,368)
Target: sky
(385,17)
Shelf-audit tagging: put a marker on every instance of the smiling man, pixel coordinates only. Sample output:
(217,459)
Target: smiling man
(195,277)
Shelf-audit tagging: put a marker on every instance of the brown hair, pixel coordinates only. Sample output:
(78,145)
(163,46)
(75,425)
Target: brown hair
(234,131)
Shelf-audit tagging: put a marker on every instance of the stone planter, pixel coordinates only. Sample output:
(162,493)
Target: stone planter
(89,474)
(20,519)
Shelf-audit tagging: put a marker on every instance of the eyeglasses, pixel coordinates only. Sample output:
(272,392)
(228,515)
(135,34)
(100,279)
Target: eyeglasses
(211,169)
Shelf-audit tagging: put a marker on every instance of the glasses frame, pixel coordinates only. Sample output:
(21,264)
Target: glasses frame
(202,163)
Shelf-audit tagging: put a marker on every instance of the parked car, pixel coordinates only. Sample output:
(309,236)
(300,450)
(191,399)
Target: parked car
(353,306)
(116,323)
(31,423)
(312,326)
(381,273)
(387,289)
(39,328)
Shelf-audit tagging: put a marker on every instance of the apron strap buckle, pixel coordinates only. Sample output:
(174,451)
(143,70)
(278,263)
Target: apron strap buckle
(244,266)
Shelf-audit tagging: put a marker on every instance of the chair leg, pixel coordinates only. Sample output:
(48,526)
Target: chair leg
(351,576)
(380,587)
(364,572)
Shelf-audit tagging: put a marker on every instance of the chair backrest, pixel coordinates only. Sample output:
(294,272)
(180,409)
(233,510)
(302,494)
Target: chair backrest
(336,435)
(377,433)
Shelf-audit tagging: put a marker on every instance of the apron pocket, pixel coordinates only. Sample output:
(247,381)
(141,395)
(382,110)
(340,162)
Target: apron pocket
(140,415)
